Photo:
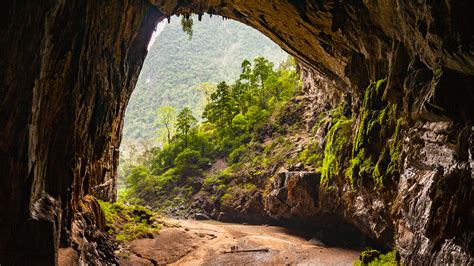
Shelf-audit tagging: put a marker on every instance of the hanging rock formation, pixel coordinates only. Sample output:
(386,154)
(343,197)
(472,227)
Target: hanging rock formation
(68,68)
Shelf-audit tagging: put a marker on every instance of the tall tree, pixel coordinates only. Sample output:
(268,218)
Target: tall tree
(185,121)
(222,107)
(166,116)
(262,70)
(247,79)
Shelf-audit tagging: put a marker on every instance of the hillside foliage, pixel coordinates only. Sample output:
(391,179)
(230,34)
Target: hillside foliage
(177,65)
(234,120)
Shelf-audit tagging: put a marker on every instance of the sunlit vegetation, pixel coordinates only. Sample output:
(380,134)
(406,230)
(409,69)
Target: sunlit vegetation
(175,68)
(128,222)
(337,142)
(233,126)
(374,139)
(372,257)
(187,25)
(378,129)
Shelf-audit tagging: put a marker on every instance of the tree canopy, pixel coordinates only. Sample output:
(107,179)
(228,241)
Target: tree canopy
(175,68)
(234,117)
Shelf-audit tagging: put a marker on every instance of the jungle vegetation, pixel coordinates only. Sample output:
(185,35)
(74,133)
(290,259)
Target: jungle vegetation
(234,120)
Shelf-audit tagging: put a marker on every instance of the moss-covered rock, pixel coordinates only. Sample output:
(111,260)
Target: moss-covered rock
(377,144)
(128,222)
(338,140)
(374,257)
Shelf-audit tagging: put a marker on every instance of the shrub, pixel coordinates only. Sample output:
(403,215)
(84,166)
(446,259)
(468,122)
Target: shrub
(188,162)
(235,155)
(128,222)
(372,257)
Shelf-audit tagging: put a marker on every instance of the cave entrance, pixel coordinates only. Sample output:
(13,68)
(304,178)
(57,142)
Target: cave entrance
(69,74)
(183,70)
(68,69)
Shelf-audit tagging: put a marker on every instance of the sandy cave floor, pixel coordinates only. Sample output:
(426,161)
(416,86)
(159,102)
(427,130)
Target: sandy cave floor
(190,242)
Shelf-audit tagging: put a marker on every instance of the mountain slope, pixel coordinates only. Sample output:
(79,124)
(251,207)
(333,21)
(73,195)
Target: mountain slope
(175,64)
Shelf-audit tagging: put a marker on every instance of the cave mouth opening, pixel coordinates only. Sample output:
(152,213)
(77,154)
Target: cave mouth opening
(332,230)
(69,68)
(176,67)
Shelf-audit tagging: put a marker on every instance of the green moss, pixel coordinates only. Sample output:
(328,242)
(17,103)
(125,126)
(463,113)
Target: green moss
(128,222)
(225,199)
(313,159)
(221,187)
(358,166)
(372,257)
(249,187)
(235,155)
(369,114)
(338,138)
(376,145)
(212,180)
(310,155)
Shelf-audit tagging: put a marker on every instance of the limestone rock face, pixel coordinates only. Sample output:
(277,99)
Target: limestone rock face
(68,67)
(293,194)
(91,244)
(66,73)
(432,212)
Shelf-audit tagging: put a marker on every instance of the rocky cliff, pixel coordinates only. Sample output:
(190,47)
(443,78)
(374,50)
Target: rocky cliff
(67,71)
(409,187)
(400,165)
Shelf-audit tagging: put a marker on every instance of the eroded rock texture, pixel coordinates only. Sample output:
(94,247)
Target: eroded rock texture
(68,68)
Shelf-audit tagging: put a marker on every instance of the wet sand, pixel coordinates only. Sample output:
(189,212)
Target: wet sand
(190,242)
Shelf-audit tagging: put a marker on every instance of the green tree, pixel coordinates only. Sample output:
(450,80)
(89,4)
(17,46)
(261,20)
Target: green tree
(246,71)
(221,109)
(185,121)
(137,174)
(240,123)
(188,162)
(288,79)
(166,117)
(262,69)
(187,25)
(206,89)
(246,80)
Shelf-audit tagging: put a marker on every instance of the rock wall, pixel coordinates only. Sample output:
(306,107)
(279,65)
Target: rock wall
(67,71)
(421,207)
(68,68)
(423,210)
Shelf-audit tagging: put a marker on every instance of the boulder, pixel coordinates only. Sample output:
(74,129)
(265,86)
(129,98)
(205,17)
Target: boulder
(201,216)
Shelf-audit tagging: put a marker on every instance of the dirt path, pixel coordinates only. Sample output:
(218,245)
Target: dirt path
(208,243)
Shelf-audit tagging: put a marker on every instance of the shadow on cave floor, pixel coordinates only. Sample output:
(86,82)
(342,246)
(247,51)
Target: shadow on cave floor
(331,231)
(209,242)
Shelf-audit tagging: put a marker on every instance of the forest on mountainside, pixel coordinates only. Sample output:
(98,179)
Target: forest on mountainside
(176,65)
(236,123)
